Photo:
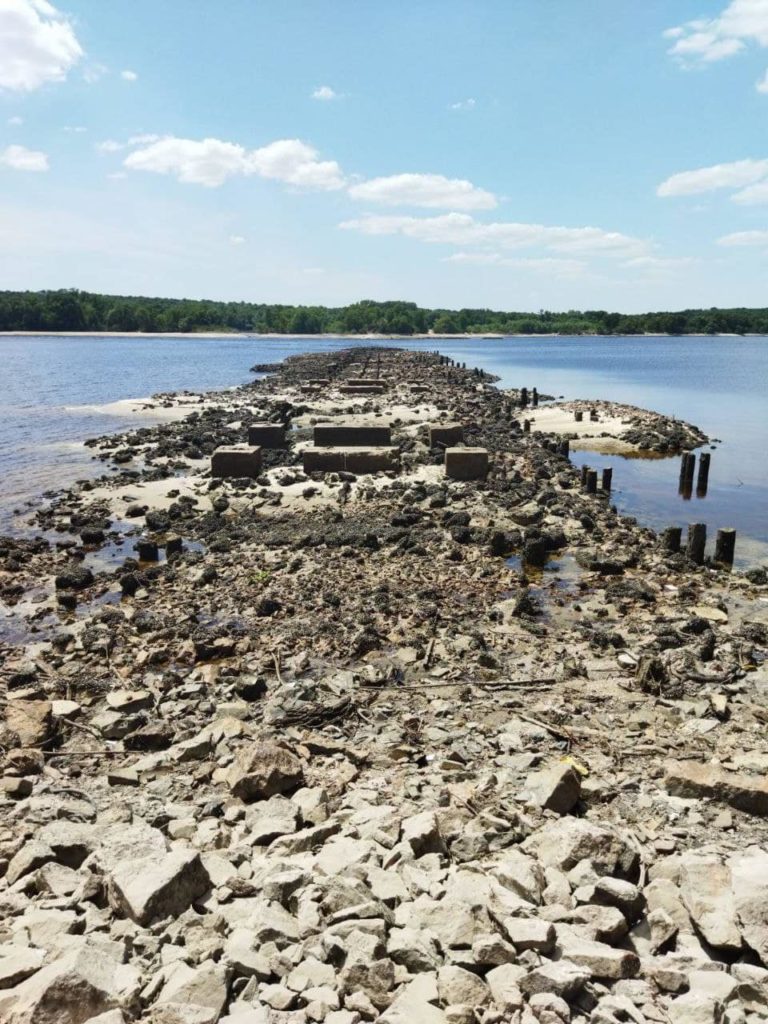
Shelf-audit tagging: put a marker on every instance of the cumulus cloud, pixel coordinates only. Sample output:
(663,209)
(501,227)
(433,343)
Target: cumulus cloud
(19,158)
(463,230)
(236,240)
(129,76)
(740,238)
(326,93)
(753,194)
(37,45)
(15,121)
(707,40)
(429,190)
(211,162)
(708,179)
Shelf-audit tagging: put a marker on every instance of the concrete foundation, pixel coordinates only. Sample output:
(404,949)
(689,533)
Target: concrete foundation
(239,461)
(266,435)
(361,389)
(319,382)
(466,463)
(447,434)
(350,460)
(419,389)
(345,435)
(368,382)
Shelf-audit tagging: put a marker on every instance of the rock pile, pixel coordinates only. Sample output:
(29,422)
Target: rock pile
(395,748)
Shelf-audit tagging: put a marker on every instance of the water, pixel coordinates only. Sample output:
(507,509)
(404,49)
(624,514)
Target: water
(720,384)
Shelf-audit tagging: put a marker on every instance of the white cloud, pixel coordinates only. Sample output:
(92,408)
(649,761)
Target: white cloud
(739,238)
(236,240)
(129,76)
(707,40)
(429,190)
(19,158)
(461,229)
(707,179)
(659,263)
(211,162)
(762,83)
(74,129)
(15,121)
(37,45)
(752,195)
(326,93)
(112,146)
(467,104)
(547,264)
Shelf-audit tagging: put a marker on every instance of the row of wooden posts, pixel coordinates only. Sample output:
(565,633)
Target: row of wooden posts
(725,543)
(687,470)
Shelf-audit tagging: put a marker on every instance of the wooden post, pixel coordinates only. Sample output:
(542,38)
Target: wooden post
(584,471)
(526,426)
(535,398)
(697,539)
(703,478)
(607,478)
(687,466)
(672,538)
(578,415)
(591,481)
(725,543)
(524,397)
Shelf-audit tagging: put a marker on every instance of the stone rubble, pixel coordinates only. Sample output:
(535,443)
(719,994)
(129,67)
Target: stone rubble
(393,747)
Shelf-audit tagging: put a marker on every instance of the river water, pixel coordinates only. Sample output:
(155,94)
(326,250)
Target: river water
(49,387)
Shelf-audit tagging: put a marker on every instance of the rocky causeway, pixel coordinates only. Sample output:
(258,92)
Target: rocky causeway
(340,698)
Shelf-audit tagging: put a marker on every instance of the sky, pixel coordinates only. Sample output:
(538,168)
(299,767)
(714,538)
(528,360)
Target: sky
(511,154)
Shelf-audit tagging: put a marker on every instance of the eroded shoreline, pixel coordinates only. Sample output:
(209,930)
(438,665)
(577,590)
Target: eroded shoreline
(391,747)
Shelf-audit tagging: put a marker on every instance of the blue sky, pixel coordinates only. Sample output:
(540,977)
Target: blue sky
(518,155)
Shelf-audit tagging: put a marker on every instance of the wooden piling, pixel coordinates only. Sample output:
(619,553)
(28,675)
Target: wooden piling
(697,539)
(584,471)
(526,426)
(535,398)
(607,478)
(725,544)
(672,538)
(524,397)
(687,466)
(578,415)
(591,481)
(702,479)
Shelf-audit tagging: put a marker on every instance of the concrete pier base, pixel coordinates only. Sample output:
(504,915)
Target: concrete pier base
(448,434)
(266,435)
(236,461)
(350,460)
(346,435)
(466,463)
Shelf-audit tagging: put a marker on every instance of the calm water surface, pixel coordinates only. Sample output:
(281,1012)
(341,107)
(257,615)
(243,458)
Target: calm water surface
(720,384)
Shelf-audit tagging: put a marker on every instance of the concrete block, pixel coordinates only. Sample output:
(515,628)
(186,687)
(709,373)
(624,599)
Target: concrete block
(361,389)
(309,389)
(370,382)
(447,434)
(236,461)
(350,459)
(344,435)
(418,389)
(319,382)
(466,463)
(266,435)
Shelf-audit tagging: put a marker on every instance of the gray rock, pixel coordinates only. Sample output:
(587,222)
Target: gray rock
(705,886)
(530,933)
(749,884)
(146,889)
(555,788)
(455,985)
(561,977)
(262,770)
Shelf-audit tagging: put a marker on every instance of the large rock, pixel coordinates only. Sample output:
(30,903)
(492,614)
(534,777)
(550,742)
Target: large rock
(422,833)
(691,779)
(71,990)
(749,882)
(705,885)
(149,888)
(263,770)
(562,844)
(555,788)
(31,720)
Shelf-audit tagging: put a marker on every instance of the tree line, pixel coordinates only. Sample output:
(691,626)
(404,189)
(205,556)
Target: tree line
(73,310)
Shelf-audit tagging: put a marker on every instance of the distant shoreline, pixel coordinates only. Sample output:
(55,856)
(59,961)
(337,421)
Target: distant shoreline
(219,335)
